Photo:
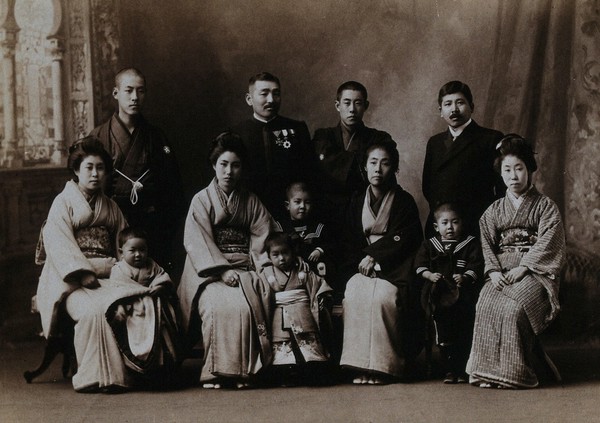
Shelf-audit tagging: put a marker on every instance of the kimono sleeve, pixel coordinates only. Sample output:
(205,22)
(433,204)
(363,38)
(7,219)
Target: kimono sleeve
(547,255)
(261,224)
(62,249)
(489,240)
(198,239)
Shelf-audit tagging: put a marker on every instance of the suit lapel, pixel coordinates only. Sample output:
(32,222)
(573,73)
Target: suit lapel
(466,138)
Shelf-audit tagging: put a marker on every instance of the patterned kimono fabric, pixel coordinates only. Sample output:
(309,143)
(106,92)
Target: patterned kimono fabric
(295,330)
(80,235)
(371,314)
(528,234)
(226,232)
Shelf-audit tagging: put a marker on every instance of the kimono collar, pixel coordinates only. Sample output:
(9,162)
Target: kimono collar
(230,202)
(517,201)
(375,224)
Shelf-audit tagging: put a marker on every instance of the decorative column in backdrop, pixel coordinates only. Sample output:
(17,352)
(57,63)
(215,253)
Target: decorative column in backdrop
(9,155)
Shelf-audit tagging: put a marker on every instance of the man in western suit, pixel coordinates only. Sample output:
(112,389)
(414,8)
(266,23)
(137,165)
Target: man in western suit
(459,161)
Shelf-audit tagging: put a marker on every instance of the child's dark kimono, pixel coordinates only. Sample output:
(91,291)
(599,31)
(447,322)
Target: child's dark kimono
(452,307)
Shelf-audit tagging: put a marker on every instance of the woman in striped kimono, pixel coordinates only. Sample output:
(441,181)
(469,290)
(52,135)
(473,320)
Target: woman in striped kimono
(383,235)
(523,245)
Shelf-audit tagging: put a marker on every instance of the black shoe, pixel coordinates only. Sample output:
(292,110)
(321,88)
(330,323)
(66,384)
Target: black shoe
(450,378)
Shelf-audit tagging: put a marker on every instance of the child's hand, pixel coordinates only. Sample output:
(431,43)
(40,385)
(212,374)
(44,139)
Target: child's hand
(315,255)
(435,277)
(458,279)
(120,314)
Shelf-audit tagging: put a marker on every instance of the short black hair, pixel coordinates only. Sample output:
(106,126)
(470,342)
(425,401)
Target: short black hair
(443,206)
(515,145)
(263,76)
(227,141)
(279,238)
(88,146)
(297,186)
(390,148)
(131,232)
(354,86)
(453,87)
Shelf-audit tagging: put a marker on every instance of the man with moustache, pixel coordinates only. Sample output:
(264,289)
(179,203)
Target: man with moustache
(146,183)
(459,161)
(341,149)
(280,150)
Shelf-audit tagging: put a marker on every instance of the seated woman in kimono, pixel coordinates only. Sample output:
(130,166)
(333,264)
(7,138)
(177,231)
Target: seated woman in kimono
(223,300)
(79,241)
(523,245)
(384,234)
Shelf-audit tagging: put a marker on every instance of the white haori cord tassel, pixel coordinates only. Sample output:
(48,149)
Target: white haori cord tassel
(137,185)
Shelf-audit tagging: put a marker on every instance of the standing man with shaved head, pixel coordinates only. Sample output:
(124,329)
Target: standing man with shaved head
(280,150)
(146,183)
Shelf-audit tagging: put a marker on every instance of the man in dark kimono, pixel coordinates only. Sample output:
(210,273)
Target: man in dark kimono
(280,150)
(341,149)
(459,161)
(146,183)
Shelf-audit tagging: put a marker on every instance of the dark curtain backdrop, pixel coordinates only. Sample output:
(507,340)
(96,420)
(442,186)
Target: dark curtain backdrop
(532,66)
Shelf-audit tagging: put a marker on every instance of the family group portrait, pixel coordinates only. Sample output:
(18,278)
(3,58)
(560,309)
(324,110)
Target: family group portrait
(292,210)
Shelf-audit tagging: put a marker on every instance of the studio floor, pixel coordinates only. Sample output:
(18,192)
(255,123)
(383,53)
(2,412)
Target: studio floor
(50,398)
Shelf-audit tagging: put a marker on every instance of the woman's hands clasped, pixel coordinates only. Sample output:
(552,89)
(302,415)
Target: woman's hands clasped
(500,280)
(366,266)
(89,281)
(231,277)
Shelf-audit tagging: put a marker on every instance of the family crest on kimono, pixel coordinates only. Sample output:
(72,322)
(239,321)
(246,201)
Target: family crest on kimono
(383,235)
(79,240)
(523,245)
(145,184)
(300,316)
(224,302)
(451,266)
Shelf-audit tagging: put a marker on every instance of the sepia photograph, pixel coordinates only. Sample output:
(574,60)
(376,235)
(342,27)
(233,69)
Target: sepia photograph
(299,210)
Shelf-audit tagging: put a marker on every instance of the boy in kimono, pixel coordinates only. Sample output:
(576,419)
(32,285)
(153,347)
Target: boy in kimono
(300,313)
(451,263)
(312,238)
